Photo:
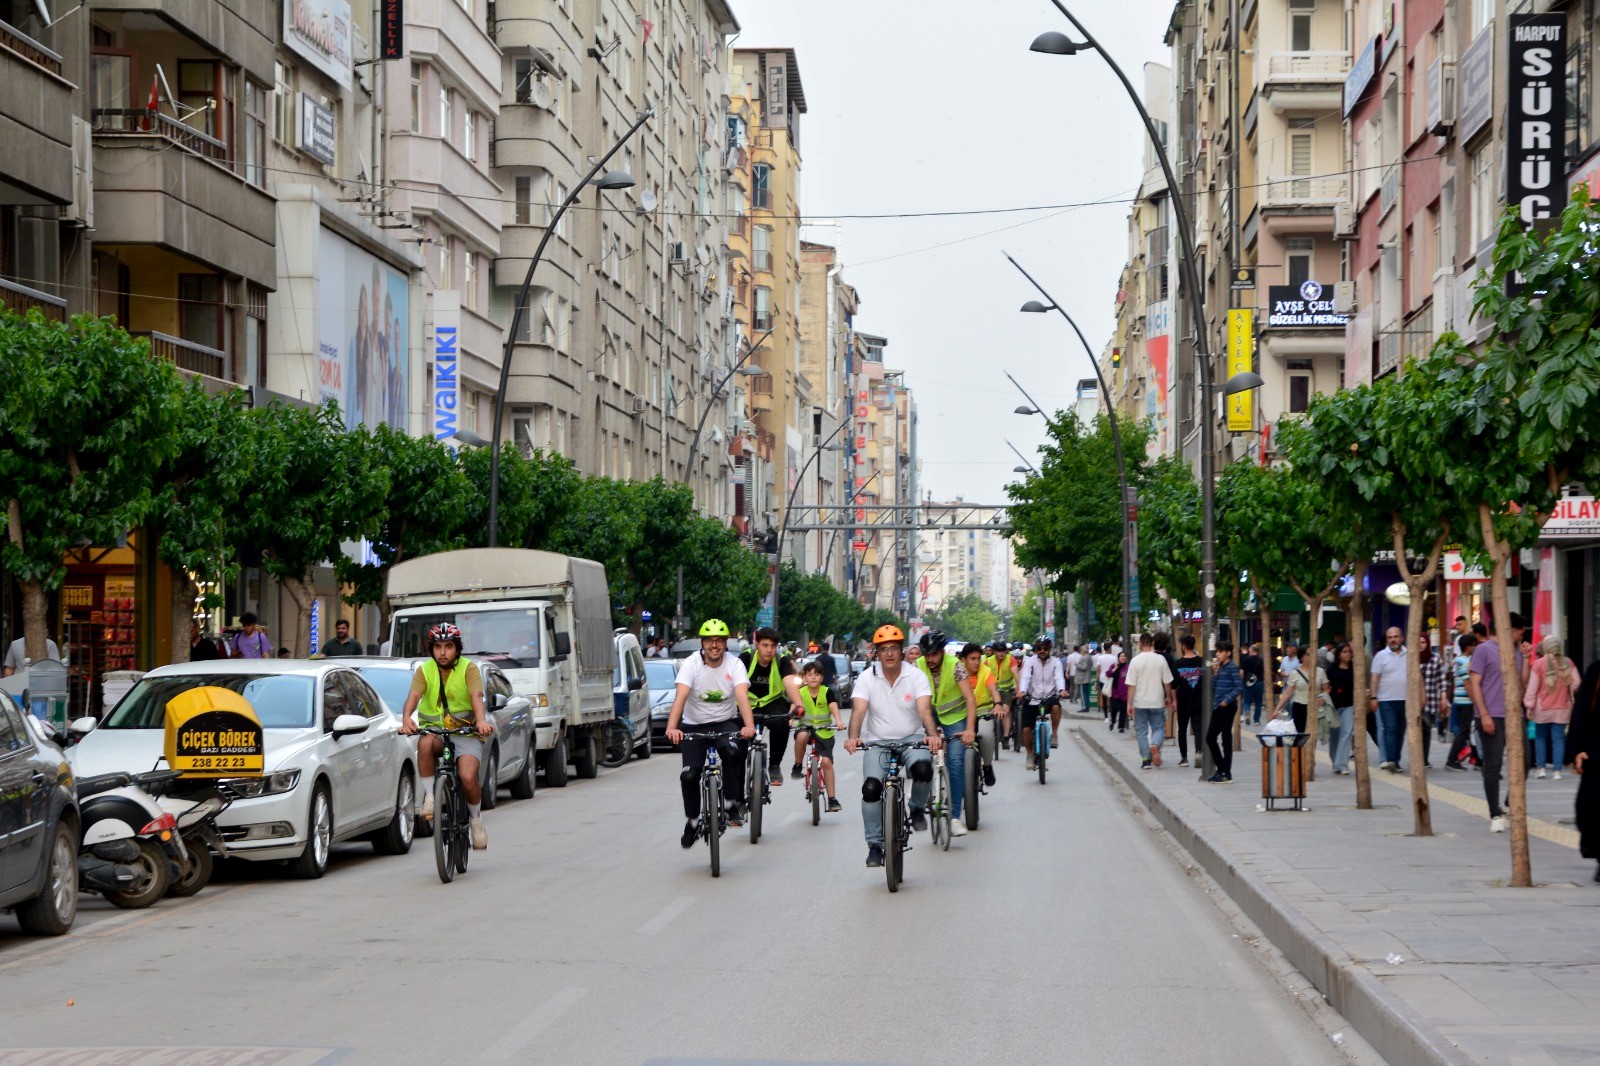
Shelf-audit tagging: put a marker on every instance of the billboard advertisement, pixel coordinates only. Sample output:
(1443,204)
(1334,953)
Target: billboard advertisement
(1241,358)
(363,333)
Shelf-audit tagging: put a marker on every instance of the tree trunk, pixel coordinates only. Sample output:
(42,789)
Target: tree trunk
(1417,584)
(302,590)
(184,594)
(1358,686)
(1513,723)
(35,620)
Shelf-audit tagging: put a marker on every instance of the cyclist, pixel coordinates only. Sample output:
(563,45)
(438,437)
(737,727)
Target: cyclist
(447,693)
(819,714)
(891,703)
(1005,678)
(1043,688)
(955,706)
(986,694)
(774,685)
(713,696)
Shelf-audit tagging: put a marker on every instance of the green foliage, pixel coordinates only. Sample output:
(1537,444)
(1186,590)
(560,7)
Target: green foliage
(1027,619)
(966,616)
(537,497)
(722,578)
(204,482)
(809,605)
(86,419)
(1281,535)
(1169,530)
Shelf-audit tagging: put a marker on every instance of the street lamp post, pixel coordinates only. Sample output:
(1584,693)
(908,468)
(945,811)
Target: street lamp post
(783,527)
(739,367)
(614,179)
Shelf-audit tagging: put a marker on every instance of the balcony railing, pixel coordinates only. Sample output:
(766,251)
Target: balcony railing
(1308,66)
(142,122)
(1389,191)
(1320,191)
(21,299)
(16,41)
(187,355)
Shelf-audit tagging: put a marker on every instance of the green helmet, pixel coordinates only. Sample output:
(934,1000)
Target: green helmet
(713,627)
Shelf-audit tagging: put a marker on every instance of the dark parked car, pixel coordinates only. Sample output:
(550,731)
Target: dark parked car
(39,833)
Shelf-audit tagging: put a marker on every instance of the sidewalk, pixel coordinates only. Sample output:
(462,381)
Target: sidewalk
(1485,974)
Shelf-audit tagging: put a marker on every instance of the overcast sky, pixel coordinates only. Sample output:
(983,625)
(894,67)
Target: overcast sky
(937,105)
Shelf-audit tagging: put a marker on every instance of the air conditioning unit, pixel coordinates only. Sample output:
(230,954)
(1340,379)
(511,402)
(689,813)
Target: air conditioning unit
(1344,221)
(638,405)
(678,252)
(747,428)
(1344,297)
(1442,96)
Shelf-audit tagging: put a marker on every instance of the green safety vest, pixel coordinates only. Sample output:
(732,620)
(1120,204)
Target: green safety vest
(815,712)
(774,685)
(430,710)
(1004,678)
(949,704)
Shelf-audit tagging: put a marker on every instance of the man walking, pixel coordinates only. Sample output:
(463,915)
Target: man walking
(1389,698)
(1252,668)
(252,641)
(1487,686)
(1227,687)
(1189,667)
(1150,692)
(341,645)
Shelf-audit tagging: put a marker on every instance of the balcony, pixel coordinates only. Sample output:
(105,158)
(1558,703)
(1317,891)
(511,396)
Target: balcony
(555,38)
(1313,193)
(244,32)
(35,122)
(189,356)
(22,299)
(441,181)
(1305,81)
(161,182)
(440,31)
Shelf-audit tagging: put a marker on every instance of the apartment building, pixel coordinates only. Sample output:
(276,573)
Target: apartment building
(828,306)
(883,455)
(959,560)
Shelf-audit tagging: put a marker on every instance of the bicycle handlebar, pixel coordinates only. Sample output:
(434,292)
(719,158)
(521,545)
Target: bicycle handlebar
(897,745)
(717,737)
(462,731)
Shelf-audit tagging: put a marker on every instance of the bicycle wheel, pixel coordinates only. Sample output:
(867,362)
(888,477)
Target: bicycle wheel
(463,834)
(1041,740)
(940,822)
(444,826)
(711,811)
(974,768)
(755,791)
(814,789)
(893,836)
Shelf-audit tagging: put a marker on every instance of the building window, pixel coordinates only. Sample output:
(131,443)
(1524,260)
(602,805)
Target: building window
(469,281)
(1298,254)
(761,186)
(201,312)
(763,308)
(761,248)
(470,140)
(446,117)
(1300,16)
(283,104)
(553,206)
(1299,391)
(524,200)
(416,98)
(1485,197)
(447,264)
(255,134)
(200,97)
(522,72)
(255,338)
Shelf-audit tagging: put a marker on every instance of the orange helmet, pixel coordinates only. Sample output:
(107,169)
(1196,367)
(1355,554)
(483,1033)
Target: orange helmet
(888,635)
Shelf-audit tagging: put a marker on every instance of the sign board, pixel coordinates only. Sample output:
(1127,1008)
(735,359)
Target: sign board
(213,732)
(1244,279)
(392,29)
(1536,114)
(315,132)
(316,625)
(1575,518)
(1360,76)
(319,30)
(1475,85)
(1456,569)
(764,615)
(363,330)
(1310,305)
(1241,357)
(446,362)
(77,596)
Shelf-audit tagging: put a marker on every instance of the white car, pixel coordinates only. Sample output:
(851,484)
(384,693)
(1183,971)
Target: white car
(336,767)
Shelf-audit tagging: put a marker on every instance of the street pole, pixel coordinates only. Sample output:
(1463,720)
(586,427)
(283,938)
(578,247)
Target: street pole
(1130,557)
(614,180)
(783,527)
(694,442)
(1191,281)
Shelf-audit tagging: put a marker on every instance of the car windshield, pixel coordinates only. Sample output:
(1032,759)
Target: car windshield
(281,701)
(660,674)
(391,682)
(509,636)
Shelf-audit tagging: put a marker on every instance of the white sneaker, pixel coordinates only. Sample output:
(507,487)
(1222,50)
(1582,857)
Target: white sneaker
(427,807)
(1540,774)
(1499,824)
(958,829)
(480,835)
(1556,775)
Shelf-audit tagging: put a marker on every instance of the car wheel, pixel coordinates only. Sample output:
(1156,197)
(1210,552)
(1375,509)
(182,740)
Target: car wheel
(395,838)
(555,764)
(489,777)
(52,911)
(149,882)
(587,761)
(195,874)
(522,785)
(313,861)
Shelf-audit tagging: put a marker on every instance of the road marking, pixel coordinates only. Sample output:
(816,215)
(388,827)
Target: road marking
(792,817)
(518,1037)
(666,916)
(240,1055)
(120,922)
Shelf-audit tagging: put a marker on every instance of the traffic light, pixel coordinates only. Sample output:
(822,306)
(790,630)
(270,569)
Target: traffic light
(1116,358)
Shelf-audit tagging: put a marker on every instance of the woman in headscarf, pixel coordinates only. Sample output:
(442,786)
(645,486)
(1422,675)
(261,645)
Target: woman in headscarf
(1552,688)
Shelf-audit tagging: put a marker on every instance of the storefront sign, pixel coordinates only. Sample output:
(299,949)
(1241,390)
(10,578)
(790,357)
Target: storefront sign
(1241,358)
(1536,114)
(1310,305)
(1575,518)
(213,732)
(1244,279)
(314,133)
(446,361)
(363,334)
(319,30)
(392,30)
(316,625)
(1475,84)
(1360,76)
(77,596)
(1457,569)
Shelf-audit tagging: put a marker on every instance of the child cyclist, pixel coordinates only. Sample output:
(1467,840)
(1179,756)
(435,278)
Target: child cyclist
(819,714)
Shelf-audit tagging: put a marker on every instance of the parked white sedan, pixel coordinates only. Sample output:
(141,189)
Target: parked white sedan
(336,766)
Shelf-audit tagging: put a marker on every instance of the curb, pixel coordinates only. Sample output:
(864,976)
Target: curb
(1384,1020)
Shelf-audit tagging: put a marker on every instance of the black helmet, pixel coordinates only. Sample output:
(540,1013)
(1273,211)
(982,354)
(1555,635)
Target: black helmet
(1043,644)
(933,640)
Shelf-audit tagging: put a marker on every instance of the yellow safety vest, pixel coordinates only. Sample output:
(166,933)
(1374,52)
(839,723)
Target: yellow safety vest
(815,713)
(430,710)
(774,685)
(948,702)
(980,689)
(1002,671)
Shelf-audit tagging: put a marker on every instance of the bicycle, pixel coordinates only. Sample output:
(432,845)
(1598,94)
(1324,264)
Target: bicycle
(1041,740)
(811,769)
(452,839)
(758,786)
(713,821)
(939,805)
(974,785)
(896,808)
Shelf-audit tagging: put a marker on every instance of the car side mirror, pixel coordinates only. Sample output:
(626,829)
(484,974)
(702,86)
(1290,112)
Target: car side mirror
(562,642)
(349,725)
(635,684)
(498,701)
(82,727)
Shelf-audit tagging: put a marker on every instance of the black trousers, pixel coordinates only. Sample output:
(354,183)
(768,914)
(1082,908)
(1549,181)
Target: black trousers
(1219,738)
(777,723)
(1492,749)
(1188,721)
(732,752)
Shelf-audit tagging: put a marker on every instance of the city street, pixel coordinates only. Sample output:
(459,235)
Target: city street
(1063,930)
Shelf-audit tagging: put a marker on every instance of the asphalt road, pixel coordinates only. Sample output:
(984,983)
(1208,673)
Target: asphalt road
(1061,931)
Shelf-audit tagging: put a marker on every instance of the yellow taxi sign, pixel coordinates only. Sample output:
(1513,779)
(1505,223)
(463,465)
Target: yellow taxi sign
(213,732)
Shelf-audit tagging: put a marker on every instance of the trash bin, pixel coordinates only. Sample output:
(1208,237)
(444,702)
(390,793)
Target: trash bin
(1283,775)
(48,685)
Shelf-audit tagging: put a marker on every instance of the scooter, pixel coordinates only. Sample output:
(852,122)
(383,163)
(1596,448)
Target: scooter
(195,805)
(132,850)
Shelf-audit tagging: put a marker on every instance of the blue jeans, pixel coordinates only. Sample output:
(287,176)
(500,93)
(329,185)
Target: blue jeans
(1548,735)
(1251,706)
(873,767)
(1341,738)
(1391,729)
(955,761)
(1149,726)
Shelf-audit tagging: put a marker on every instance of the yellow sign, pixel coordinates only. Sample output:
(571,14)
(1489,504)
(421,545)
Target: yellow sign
(1241,357)
(213,732)
(77,596)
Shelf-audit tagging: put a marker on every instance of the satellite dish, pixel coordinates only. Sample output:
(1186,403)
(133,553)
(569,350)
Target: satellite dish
(540,95)
(647,201)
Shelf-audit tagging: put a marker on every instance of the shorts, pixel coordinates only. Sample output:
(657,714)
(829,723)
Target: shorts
(468,746)
(1031,710)
(824,744)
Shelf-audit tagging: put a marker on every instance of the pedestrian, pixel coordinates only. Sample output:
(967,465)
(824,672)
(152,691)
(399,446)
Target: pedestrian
(201,647)
(1300,688)
(1161,644)
(1462,630)
(1150,691)
(1552,690)
(1487,686)
(1227,687)
(1252,669)
(341,646)
(283,653)
(1388,698)
(1187,672)
(1069,671)
(1461,739)
(1584,737)
(1116,692)
(1104,663)
(1435,672)
(1341,696)
(17,657)
(251,641)
(1083,677)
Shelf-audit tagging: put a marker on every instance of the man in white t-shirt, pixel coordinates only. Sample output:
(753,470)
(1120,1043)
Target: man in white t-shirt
(1104,663)
(893,703)
(1150,693)
(17,658)
(1070,670)
(713,696)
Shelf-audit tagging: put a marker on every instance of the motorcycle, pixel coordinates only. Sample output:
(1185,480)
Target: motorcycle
(195,805)
(132,850)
